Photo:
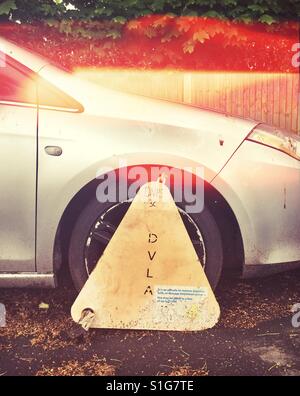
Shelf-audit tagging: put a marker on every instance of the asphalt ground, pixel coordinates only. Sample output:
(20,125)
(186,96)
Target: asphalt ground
(254,336)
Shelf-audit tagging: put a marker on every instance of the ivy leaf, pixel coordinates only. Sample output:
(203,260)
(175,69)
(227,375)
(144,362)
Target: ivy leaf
(246,18)
(183,25)
(232,32)
(157,5)
(160,22)
(201,36)
(103,11)
(190,13)
(150,32)
(171,15)
(171,34)
(257,8)
(146,12)
(230,2)
(215,29)
(264,11)
(267,19)
(188,47)
(128,3)
(7,6)
(52,22)
(114,34)
(133,25)
(119,19)
(212,14)
(48,10)
(65,27)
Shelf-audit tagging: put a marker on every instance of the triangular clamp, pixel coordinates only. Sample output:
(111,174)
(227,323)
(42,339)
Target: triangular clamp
(149,276)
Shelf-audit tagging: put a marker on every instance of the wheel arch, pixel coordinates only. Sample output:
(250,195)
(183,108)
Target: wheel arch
(233,246)
(233,250)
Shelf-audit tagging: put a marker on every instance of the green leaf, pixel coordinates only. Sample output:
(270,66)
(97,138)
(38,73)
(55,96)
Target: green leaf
(146,12)
(119,11)
(230,2)
(257,8)
(190,13)
(246,18)
(267,19)
(119,19)
(7,6)
(52,22)
(103,11)
(212,14)
(157,5)
(47,9)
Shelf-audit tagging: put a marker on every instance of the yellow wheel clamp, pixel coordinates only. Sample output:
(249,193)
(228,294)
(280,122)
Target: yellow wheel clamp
(149,276)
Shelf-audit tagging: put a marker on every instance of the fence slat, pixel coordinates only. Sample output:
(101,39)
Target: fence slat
(265,97)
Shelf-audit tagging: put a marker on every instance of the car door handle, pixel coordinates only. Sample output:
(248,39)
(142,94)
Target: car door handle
(55,151)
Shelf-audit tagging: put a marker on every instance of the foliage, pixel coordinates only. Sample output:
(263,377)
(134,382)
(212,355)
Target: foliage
(230,34)
(265,11)
(161,42)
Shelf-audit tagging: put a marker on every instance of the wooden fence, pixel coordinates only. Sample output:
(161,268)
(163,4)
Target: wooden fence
(267,97)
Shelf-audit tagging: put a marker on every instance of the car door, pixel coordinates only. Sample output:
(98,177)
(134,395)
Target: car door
(18,171)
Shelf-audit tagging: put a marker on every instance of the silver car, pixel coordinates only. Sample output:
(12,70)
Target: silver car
(60,140)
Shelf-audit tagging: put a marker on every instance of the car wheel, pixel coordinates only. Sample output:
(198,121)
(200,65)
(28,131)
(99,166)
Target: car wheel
(98,221)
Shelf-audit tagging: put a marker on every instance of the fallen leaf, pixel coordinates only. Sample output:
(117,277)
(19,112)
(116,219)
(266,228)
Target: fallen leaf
(43,305)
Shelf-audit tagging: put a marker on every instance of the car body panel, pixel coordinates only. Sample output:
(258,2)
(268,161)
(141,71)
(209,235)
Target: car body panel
(28,279)
(18,188)
(113,129)
(157,132)
(262,186)
(99,145)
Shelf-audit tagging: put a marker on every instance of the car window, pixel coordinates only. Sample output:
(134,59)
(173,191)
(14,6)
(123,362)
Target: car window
(19,84)
(52,97)
(16,86)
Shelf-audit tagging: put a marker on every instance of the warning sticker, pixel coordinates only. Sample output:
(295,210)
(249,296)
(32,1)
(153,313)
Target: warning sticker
(173,294)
